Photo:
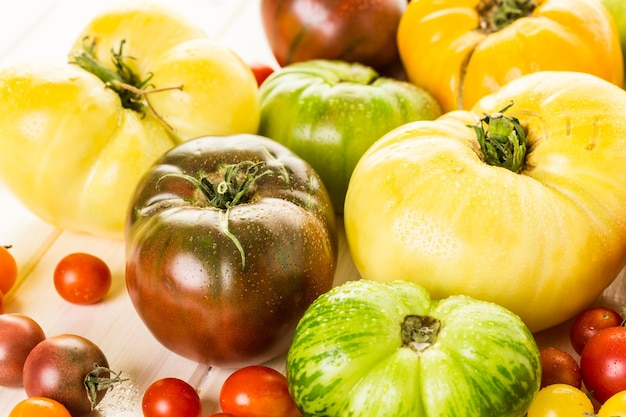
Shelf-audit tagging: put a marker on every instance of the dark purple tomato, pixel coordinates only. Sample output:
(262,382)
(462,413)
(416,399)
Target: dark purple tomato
(56,368)
(19,334)
(350,30)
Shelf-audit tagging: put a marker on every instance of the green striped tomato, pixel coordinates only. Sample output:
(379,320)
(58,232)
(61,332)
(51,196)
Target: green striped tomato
(387,349)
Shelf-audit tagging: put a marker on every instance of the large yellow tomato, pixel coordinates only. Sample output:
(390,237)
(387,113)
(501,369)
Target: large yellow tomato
(532,216)
(76,137)
(461,50)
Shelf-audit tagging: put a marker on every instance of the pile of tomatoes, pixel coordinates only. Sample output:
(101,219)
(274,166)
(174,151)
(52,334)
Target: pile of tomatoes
(571,387)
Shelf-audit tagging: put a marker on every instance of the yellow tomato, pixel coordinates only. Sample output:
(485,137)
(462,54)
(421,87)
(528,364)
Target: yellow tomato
(561,400)
(76,137)
(615,406)
(461,50)
(39,407)
(544,239)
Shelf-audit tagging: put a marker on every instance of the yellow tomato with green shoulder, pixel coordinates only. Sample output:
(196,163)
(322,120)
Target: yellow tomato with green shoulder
(520,201)
(462,50)
(77,136)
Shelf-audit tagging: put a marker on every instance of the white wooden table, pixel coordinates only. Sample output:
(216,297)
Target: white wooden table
(40,30)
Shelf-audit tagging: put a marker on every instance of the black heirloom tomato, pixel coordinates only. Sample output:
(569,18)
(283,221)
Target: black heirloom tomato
(229,240)
(350,30)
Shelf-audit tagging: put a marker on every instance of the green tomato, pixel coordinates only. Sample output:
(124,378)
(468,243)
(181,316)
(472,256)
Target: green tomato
(387,349)
(330,112)
(617,9)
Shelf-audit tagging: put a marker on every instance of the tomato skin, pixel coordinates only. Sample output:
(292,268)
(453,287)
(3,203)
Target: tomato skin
(560,400)
(558,366)
(183,268)
(615,406)
(19,334)
(82,278)
(300,30)
(261,71)
(39,407)
(8,270)
(589,322)
(56,368)
(603,363)
(257,391)
(171,397)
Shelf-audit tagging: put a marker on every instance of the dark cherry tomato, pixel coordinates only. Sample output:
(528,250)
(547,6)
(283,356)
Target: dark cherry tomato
(603,363)
(8,270)
(19,334)
(257,391)
(39,407)
(261,71)
(589,322)
(57,367)
(350,30)
(559,367)
(81,278)
(171,397)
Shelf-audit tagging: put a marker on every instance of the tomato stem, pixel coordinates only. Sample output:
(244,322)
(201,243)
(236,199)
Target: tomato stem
(94,382)
(132,90)
(498,14)
(502,140)
(419,332)
(237,187)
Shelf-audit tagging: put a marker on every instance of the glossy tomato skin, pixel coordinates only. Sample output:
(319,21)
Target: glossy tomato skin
(39,407)
(19,334)
(560,400)
(330,112)
(82,278)
(589,322)
(56,368)
(366,348)
(559,367)
(8,270)
(257,391)
(350,30)
(196,291)
(603,363)
(171,397)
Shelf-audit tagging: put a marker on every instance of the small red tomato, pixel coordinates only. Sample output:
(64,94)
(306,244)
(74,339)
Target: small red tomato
(8,270)
(559,367)
(171,397)
(603,363)
(81,278)
(257,391)
(589,322)
(260,71)
(19,334)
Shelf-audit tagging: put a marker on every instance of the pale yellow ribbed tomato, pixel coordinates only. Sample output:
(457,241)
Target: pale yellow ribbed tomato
(76,137)
(461,50)
(428,203)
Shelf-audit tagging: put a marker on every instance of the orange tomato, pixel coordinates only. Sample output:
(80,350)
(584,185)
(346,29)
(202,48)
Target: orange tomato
(39,407)
(8,270)
(461,50)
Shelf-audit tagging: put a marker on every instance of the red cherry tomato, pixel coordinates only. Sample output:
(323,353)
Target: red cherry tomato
(589,322)
(8,270)
(260,71)
(171,397)
(81,278)
(603,363)
(19,334)
(257,391)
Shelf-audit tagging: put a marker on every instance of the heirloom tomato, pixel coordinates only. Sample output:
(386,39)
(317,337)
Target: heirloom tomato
(520,201)
(350,30)
(387,349)
(230,238)
(462,50)
(77,136)
(330,112)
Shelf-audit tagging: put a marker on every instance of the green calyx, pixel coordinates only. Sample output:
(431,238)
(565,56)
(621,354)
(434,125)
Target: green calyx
(94,382)
(502,140)
(132,90)
(419,332)
(498,14)
(237,187)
